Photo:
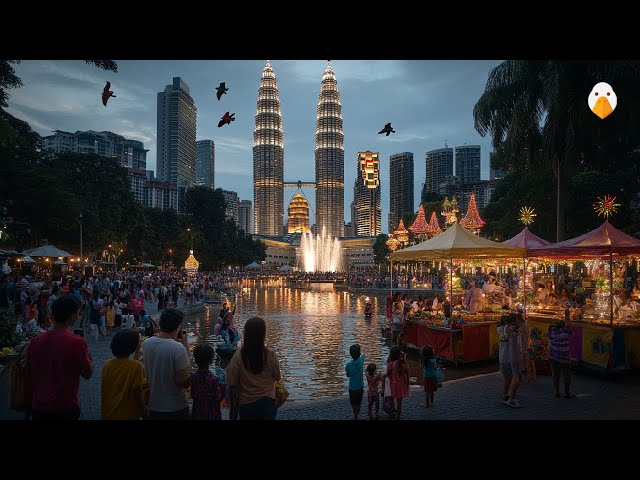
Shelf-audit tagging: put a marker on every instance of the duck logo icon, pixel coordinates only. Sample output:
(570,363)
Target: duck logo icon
(602,100)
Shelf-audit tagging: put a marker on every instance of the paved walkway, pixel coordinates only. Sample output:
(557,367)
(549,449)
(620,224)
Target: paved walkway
(479,398)
(473,398)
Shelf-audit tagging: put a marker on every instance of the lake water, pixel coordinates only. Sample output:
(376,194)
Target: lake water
(310,330)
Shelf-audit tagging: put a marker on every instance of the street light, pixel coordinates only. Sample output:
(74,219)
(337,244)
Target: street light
(189,230)
(81,251)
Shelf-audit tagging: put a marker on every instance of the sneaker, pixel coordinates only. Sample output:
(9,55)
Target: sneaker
(513,403)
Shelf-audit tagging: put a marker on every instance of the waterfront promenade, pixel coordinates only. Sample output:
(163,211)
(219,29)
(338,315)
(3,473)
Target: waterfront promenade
(472,398)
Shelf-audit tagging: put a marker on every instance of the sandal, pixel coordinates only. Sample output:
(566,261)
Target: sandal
(513,403)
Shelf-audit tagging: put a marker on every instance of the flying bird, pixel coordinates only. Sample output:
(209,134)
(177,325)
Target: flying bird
(387,129)
(226,119)
(222,89)
(106,93)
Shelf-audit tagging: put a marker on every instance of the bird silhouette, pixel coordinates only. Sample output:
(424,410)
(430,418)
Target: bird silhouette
(387,129)
(106,93)
(222,89)
(226,119)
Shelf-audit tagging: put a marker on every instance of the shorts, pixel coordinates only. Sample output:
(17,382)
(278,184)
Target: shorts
(513,368)
(557,367)
(355,396)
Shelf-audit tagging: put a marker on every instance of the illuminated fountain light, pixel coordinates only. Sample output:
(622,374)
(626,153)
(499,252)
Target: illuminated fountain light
(320,253)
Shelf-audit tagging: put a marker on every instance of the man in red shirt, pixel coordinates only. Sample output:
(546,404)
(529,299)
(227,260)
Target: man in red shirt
(56,359)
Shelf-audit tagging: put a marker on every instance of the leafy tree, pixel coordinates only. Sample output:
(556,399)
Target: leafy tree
(380,249)
(537,114)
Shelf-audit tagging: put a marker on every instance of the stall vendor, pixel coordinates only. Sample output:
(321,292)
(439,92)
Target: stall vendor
(545,294)
(635,291)
(474,298)
(564,299)
(492,291)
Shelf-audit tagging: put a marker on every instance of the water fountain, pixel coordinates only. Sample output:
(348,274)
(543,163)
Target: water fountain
(320,253)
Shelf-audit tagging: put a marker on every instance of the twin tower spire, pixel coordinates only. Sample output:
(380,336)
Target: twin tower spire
(268,158)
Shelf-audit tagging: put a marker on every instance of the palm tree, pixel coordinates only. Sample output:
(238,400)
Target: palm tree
(537,114)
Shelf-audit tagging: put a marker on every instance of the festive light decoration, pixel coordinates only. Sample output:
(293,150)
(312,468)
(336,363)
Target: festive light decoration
(392,243)
(434,225)
(450,210)
(420,227)
(191,264)
(401,234)
(606,206)
(526,216)
(472,220)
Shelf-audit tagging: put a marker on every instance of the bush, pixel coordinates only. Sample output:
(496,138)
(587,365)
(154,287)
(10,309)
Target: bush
(9,337)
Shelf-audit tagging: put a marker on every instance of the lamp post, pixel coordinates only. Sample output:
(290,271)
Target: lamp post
(171,261)
(189,230)
(81,250)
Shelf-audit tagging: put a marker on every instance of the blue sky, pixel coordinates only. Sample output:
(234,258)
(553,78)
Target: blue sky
(427,102)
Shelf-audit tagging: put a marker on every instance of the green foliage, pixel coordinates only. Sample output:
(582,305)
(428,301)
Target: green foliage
(9,337)
(537,115)
(380,249)
(217,242)
(430,196)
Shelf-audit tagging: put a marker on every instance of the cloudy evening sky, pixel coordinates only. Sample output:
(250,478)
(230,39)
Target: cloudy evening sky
(427,102)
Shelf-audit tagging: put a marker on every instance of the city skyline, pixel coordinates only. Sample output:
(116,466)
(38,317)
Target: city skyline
(428,103)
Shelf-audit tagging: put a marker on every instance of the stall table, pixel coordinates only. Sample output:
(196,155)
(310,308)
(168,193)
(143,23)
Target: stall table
(476,340)
(597,344)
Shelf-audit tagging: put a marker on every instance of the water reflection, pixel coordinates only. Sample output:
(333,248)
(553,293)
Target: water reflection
(311,331)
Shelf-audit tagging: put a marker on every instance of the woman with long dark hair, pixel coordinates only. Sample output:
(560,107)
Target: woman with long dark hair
(252,375)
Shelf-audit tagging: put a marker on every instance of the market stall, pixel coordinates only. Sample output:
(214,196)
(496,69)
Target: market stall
(471,336)
(606,327)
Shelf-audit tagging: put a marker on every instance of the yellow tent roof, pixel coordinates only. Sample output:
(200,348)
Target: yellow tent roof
(457,242)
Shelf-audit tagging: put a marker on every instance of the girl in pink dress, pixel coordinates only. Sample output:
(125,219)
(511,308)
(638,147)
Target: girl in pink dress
(398,373)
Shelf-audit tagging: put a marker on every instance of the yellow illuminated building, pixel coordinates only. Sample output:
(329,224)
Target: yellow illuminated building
(299,221)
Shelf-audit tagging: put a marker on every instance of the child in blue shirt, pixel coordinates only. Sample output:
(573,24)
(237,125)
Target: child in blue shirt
(429,373)
(356,384)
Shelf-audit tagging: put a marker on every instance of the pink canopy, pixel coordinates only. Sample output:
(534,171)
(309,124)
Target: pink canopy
(604,240)
(526,239)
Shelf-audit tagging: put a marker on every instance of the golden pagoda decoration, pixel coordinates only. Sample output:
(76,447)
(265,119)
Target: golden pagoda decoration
(191,264)
(450,211)
(401,234)
(420,226)
(392,243)
(298,219)
(472,220)
(434,226)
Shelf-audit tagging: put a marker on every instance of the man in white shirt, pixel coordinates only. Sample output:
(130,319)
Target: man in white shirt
(166,366)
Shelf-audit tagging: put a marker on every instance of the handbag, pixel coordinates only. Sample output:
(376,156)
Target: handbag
(21,388)
(281,393)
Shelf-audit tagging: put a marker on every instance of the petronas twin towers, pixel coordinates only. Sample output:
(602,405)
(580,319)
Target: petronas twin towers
(268,158)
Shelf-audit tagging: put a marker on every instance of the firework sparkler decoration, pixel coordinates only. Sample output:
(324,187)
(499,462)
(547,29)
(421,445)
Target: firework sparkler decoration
(606,206)
(526,216)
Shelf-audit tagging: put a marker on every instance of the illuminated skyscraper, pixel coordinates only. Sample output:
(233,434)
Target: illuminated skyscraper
(369,221)
(268,158)
(329,158)
(298,221)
